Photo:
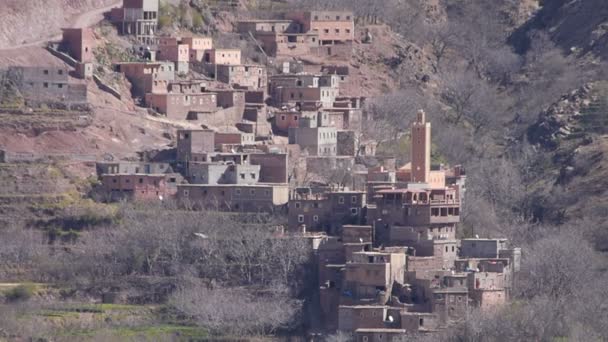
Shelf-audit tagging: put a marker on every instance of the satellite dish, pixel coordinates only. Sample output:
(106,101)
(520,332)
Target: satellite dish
(477,236)
(390,319)
(160,197)
(361,240)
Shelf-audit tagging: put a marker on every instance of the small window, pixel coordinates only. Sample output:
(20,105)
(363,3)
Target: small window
(60,72)
(46,85)
(46,72)
(300,218)
(252,192)
(141,181)
(186,193)
(341,199)
(297,205)
(315,218)
(353,199)
(354,211)
(60,86)
(237,192)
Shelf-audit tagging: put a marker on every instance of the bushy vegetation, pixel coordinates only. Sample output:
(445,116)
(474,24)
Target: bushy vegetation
(213,270)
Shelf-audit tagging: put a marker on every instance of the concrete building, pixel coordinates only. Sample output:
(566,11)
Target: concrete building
(215,173)
(239,198)
(137,18)
(318,141)
(44,85)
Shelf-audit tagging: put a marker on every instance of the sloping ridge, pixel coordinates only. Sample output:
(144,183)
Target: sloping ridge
(581,24)
(22,22)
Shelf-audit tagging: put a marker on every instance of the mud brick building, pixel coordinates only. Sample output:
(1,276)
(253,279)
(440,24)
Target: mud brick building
(318,141)
(222,57)
(178,106)
(80,44)
(238,198)
(246,76)
(179,54)
(138,187)
(333,27)
(148,78)
(325,212)
(194,145)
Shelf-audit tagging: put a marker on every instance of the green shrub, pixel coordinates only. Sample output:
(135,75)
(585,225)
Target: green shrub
(20,293)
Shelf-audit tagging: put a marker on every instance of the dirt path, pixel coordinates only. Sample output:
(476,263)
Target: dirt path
(78,21)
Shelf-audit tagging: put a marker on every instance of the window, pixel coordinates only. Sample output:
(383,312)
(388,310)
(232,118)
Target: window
(338,31)
(315,218)
(237,192)
(60,86)
(252,192)
(113,180)
(421,322)
(348,17)
(46,72)
(60,72)
(253,176)
(337,17)
(353,199)
(186,193)
(282,117)
(347,30)
(141,181)
(326,30)
(297,205)
(354,211)
(242,176)
(301,218)
(46,85)
(341,199)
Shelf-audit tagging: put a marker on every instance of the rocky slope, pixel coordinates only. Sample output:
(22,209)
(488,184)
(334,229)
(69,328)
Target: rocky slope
(572,136)
(28,21)
(575,25)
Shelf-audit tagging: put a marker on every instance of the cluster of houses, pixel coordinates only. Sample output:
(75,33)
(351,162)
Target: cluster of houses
(389,261)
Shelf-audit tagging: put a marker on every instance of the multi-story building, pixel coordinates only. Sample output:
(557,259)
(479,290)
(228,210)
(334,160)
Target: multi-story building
(176,53)
(222,56)
(318,141)
(137,18)
(148,78)
(326,211)
(135,187)
(40,85)
(240,198)
(248,76)
(195,145)
(332,27)
(219,173)
(80,44)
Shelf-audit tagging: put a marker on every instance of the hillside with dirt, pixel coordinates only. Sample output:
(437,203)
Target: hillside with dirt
(24,22)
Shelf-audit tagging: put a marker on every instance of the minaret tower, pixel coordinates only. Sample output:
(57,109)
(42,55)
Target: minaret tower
(421,149)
